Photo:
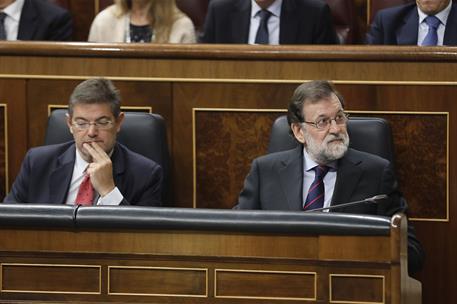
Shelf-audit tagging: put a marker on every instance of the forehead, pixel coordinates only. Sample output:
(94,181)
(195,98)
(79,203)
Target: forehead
(327,106)
(92,111)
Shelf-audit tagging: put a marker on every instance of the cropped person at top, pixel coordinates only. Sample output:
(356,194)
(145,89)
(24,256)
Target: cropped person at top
(93,169)
(158,21)
(34,20)
(423,23)
(323,171)
(269,22)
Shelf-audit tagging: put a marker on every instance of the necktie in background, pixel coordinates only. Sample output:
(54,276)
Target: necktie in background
(432,35)
(262,33)
(85,194)
(315,197)
(2,26)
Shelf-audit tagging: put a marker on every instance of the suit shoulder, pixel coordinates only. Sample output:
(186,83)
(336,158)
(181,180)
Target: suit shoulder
(316,4)
(221,4)
(396,11)
(276,156)
(50,150)
(47,8)
(137,160)
(366,157)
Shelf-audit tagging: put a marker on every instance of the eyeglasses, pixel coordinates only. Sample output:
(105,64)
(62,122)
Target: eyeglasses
(324,122)
(103,124)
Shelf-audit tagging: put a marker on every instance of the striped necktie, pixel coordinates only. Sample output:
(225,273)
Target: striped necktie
(315,197)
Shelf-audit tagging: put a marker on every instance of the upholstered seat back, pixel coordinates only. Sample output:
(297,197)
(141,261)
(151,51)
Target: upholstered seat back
(368,134)
(142,133)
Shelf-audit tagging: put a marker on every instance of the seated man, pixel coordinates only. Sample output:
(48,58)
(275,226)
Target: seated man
(34,20)
(94,168)
(323,171)
(423,23)
(269,22)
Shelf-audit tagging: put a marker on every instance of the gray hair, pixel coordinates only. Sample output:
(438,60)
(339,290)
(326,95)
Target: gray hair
(310,92)
(96,91)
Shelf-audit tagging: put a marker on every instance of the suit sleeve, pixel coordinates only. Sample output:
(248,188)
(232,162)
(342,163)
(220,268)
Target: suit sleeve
(397,203)
(151,192)
(19,190)
(249,196)
(375,34)
(61,28)
(325,31)
(209,27)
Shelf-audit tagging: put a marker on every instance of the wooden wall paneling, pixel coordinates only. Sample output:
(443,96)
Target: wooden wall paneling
(13,95)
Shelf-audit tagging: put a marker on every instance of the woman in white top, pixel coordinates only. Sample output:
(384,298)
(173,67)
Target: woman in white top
(158,21)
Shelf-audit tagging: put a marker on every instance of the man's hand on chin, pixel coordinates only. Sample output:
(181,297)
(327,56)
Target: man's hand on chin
(100,169)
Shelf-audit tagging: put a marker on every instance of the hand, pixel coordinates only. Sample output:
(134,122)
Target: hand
(100,169)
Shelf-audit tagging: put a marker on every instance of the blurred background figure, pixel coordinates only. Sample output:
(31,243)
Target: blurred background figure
(158,21)
(34,20)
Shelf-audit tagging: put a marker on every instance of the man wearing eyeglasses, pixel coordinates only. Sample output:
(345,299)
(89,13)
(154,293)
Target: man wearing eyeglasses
(323,171)
(93,169)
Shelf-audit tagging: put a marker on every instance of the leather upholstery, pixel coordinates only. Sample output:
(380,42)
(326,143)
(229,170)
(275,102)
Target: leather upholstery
(146,218)
(344,20)
(368,134)
(142,133)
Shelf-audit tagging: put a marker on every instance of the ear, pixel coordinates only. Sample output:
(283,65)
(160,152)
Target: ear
(298,132)
(68,119)
(119,121)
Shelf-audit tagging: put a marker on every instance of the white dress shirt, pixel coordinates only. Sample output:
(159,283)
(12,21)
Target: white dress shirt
(13,15)
(423,27)
(273,21)
(115,197)
(309,175)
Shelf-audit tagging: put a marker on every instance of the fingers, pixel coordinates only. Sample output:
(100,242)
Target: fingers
(97,153)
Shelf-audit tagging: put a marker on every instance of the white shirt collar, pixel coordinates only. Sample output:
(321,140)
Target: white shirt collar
(274,8)
(310,164)
(14,10)
(443,15)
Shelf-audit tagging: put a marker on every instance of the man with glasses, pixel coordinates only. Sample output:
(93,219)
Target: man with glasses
(93,169)
(323,171)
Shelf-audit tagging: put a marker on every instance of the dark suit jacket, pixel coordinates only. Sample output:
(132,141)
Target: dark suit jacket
(275,182)
(42,20)
(301,22)
(399,26)
(46,173)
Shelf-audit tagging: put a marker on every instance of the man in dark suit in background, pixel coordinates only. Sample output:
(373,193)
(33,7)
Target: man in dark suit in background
(323,171)
(34,20)
(269,22)
(424,22)
(94,168)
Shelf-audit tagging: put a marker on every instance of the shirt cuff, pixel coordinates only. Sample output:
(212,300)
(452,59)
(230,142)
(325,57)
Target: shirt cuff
(114,198)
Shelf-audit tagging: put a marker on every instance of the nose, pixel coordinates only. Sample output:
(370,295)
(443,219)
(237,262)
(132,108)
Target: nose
(92,131)
(334,127)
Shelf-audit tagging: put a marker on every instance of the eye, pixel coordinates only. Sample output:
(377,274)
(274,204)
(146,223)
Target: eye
(103,123)
(322,122)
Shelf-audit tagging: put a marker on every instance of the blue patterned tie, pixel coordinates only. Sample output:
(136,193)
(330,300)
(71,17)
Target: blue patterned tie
(2,26)
(315,197)
(432,35)
(262,32)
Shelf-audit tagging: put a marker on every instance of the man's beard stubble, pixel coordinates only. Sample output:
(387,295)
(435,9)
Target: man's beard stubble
(327,152)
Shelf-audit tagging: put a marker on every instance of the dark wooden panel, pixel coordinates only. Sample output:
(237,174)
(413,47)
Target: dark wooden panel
(264,284)
(157,281)
(355,288)
(30,278)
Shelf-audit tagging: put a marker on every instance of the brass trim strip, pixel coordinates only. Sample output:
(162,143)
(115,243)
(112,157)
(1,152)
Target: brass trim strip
(266,271)
(52,265)
(227,80)
(358,276)
(157,294)
(194,148)
(96,7)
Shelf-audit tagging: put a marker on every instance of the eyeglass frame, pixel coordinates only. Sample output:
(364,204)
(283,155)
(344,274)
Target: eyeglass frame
(315,123)
(98,124)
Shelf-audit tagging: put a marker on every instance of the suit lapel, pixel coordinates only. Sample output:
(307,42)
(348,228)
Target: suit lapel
(347,178)
(408,32)
(241,18)
(291,178)
(27,23)
(60,178)
(288,23)
(450,34)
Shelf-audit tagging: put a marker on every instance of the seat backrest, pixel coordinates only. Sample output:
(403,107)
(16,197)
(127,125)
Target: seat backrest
(368,134)
(344,20)
(142,133)
(375,5)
